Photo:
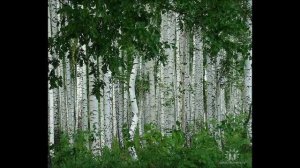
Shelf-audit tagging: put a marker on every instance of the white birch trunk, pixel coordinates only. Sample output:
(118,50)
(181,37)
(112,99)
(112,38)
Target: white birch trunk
(63,99)
(182,103)
(50,117)
(187,93)
(211,91)
(170,72)
(125,105)
(107,110)
(199,99)
(248,83)
(101,108)
(134,106)
(178,66)
(164,74)
(192,87)
(119,116)
(186,83)
(141,100)
(152,110)
(120,108)
(94,116)
(162,101)
(248,93)
(84,98)
(54,116)
(126,97)
(113,108)
(79,98)
(158,98)
(50,92)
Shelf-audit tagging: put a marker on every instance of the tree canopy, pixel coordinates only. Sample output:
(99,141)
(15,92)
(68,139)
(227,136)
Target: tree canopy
(107,27)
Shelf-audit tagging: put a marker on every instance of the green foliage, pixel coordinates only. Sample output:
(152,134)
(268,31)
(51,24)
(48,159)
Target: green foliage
(109,27)
(155,150)
(142,84)
(75,156)
(55,81)
(106,28)
(224,25)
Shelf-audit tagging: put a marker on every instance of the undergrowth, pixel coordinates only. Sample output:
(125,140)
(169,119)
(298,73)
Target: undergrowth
(228,146)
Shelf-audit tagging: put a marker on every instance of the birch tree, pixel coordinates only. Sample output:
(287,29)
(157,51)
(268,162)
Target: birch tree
(211,90)
(134,106)
(152,110)
(94,114)
(50,94)
(179,70)
(199,99)
(107,110)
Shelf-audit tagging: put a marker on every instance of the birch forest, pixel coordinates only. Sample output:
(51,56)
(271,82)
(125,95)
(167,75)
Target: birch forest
(149,83)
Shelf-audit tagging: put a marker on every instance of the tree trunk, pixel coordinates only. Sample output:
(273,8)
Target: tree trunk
(152,110)
(141,100)
(199,99)
(134,106)
(107,110)
(94,116)
(211,91)
(179,70)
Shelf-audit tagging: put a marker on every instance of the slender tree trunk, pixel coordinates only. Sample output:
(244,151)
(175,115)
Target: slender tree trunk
(193,84)
(119,112)
(186,87)
(158,97)
(126,96)
(164,74)
(63,98)
(84,92)
(179,70)
(94,116)
(134,106)
(211,91)
(120,108)
(141,100)
(248,93)
(125,105)
(170,72)
(113,108)
(50,117)
(101,107)
(152,95)
(219,111)
(162,101)
(199,99)
(107,110)
(183,81)
(70,105)
(79,98)
(55,117)
(50,92)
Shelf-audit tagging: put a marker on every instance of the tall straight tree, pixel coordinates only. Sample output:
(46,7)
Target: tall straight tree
(199,99)
(50,94)
(134,106)
(169,71)
(94,114)
(211,90)
(107,110)
(55,118)
(179,70)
